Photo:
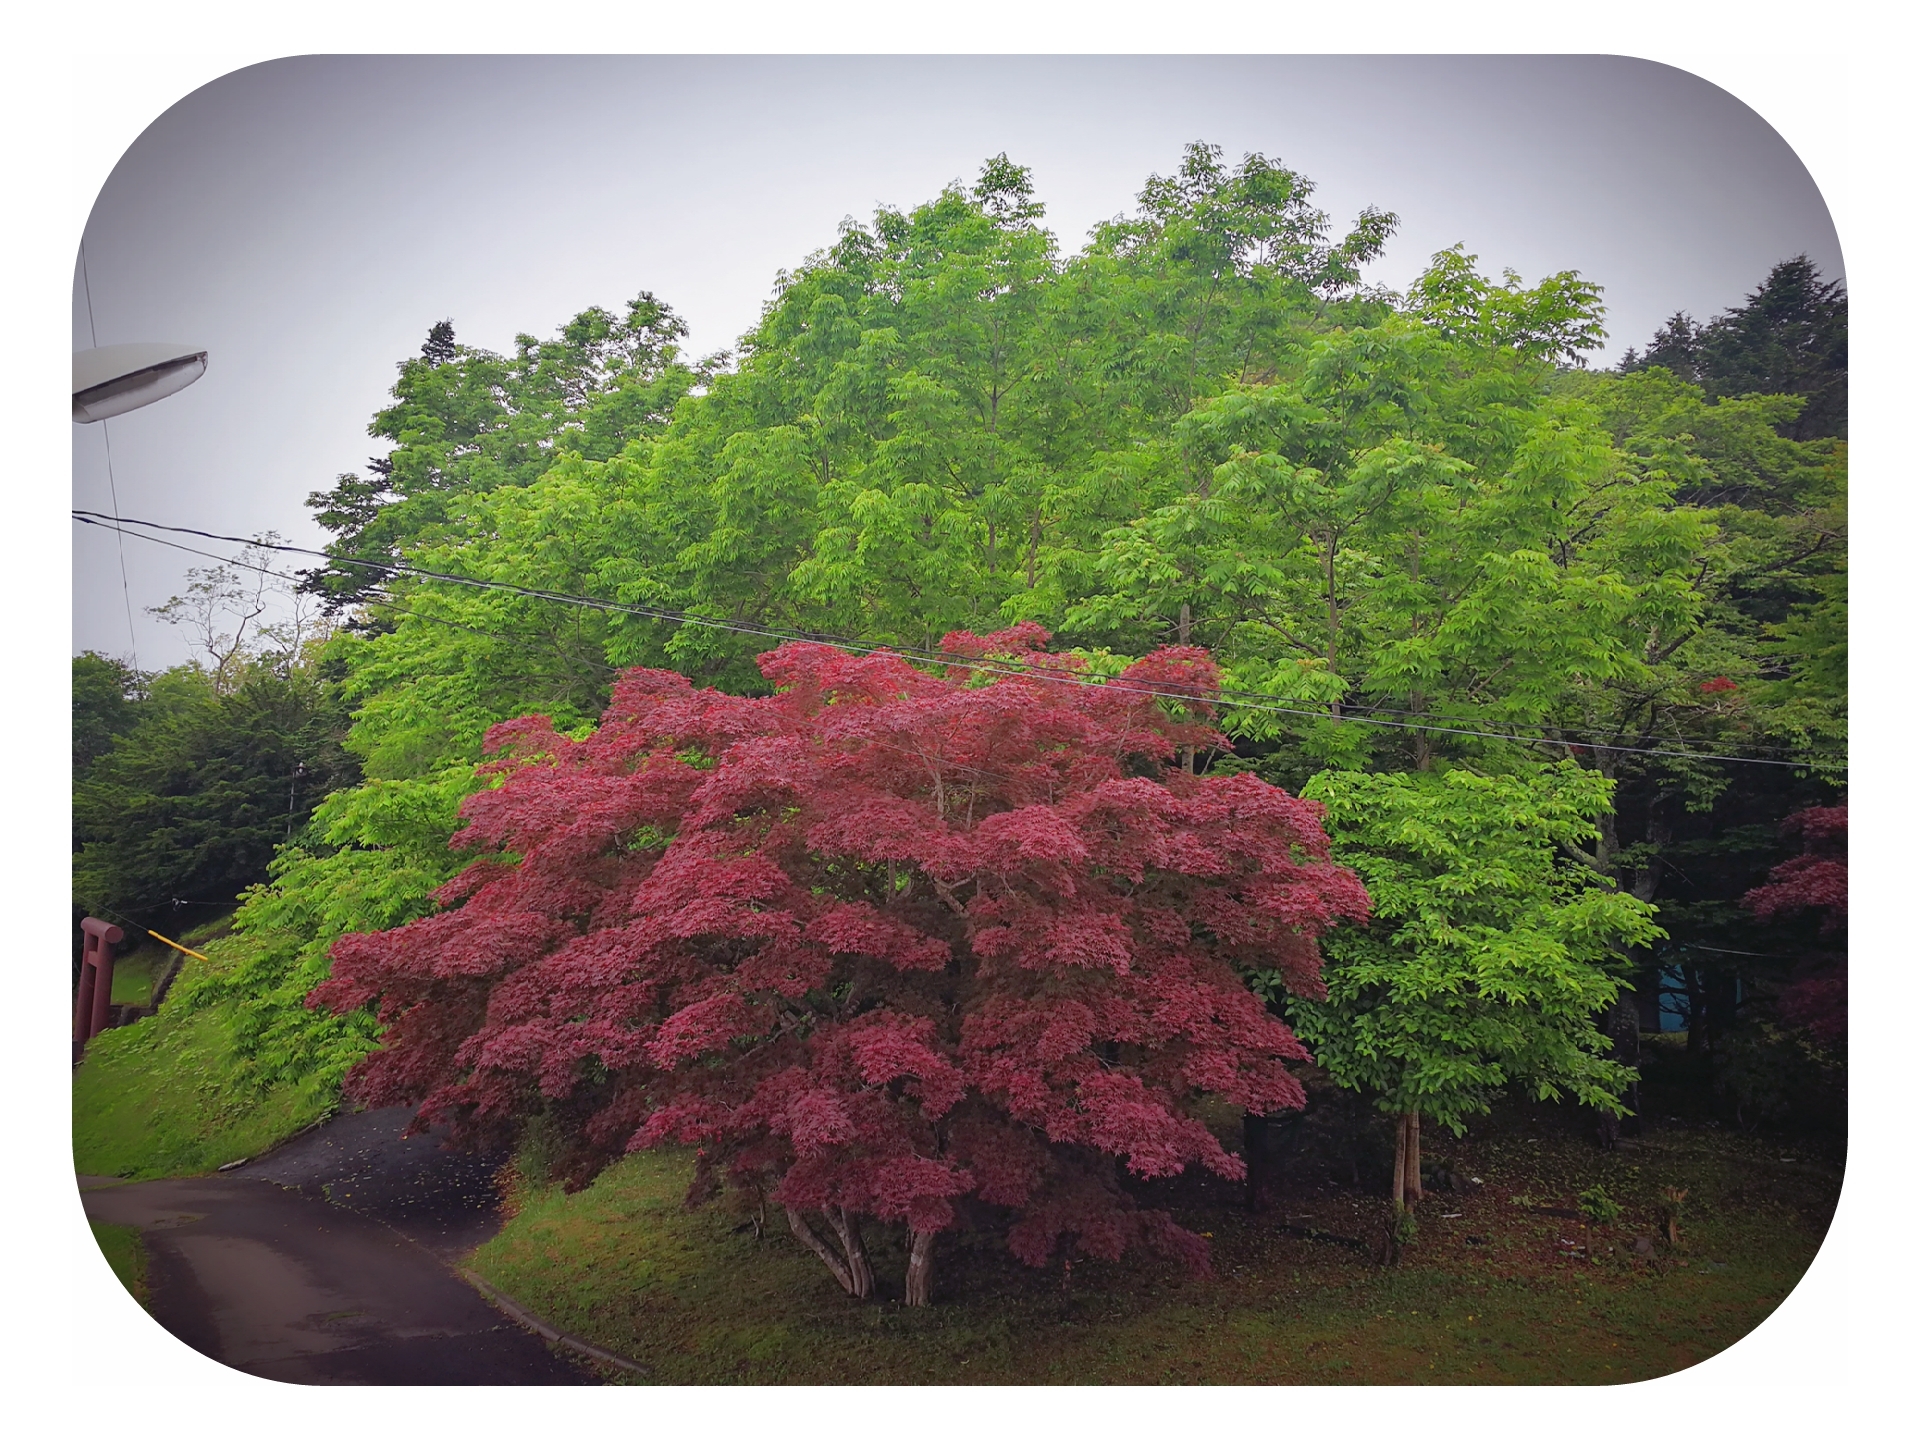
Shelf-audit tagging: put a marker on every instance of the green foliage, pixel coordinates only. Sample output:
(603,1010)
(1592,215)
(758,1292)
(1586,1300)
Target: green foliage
(465,422)
(1558,319)
(1489,952)
(105,704)
(423,694)
(1599,1207)
(1775,1074)
(378,853)
(188,803)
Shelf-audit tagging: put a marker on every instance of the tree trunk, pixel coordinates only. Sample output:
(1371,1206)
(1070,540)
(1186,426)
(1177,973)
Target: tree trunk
(859,1272)
(806,1235)
(920,1267)
(1414,1192)
(1400,1164)
(850,1265)
(1696,1009)
(1622,1027)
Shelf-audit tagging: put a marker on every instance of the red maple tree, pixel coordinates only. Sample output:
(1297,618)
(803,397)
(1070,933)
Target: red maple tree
(932,948)
(1813,882)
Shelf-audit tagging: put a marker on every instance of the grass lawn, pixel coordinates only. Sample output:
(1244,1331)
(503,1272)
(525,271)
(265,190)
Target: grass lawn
(1491,1291)
(127,1255)
(160,1097)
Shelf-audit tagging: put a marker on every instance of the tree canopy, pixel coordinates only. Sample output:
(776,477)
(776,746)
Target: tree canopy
(1490,950)
(1789,338)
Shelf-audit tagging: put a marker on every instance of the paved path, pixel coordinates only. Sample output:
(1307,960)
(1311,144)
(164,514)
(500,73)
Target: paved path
(328,1262)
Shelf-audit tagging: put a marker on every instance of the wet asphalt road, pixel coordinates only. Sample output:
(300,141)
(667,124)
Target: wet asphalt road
(330,1262)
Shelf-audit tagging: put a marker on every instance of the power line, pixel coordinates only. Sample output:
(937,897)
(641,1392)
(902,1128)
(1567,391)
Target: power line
(1243,698)
(387,602)
(1239,699)
(384,598)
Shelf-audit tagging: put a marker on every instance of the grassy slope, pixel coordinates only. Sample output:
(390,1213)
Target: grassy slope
(697,1298)
(159,1097)
(135,972)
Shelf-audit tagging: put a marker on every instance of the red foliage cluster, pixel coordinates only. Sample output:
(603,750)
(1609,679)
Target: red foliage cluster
(884,943)
(1813,882)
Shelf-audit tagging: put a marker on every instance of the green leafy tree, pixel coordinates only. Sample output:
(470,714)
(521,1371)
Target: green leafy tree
(106,695)
(1745,654)
(1374,529)
(467,421)
(188,806)
(1488,954)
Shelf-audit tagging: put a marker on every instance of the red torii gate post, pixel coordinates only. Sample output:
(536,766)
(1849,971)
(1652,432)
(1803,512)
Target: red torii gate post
(91,1005)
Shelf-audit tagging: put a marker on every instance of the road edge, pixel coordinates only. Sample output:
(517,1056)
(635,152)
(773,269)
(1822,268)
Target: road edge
(525,1318)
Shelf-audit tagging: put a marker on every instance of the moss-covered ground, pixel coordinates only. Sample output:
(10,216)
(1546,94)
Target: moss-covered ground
(1494,1289)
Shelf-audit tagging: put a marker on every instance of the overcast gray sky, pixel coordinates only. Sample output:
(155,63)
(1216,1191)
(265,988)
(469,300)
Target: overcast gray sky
(307,220)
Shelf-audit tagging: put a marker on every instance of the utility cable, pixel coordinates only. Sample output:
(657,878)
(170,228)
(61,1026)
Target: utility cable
(381,596)
(1239,699)
(1242,698)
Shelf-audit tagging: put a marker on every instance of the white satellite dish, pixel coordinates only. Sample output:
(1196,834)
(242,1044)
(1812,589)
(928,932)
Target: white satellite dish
(117,378)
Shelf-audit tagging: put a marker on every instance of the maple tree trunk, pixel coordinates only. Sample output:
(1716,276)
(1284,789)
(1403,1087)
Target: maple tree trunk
(920,1267)
(805,1234)
(859,1272)
(1414,1192)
